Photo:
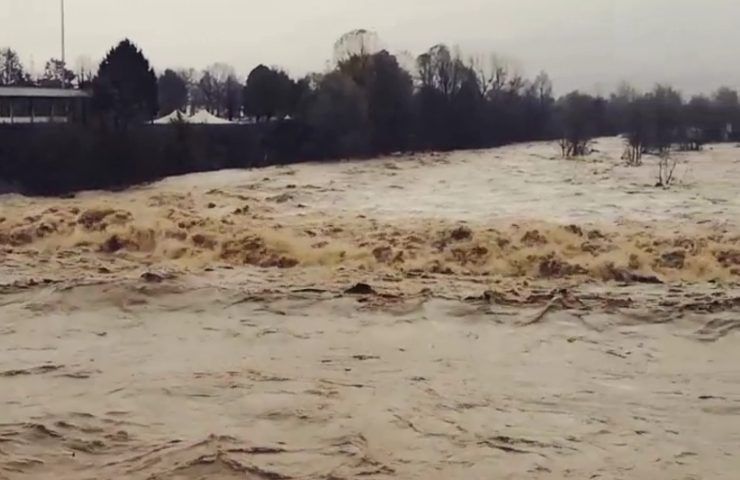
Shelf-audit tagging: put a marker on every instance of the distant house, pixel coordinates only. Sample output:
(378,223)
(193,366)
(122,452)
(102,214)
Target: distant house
(33,105)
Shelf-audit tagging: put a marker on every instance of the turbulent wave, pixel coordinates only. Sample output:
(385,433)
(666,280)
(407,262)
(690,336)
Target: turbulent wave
(531,250)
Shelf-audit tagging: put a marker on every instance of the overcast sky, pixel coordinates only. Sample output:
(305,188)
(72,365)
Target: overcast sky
(586,44)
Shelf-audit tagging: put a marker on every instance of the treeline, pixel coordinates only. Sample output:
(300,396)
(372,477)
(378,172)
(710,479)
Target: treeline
(372,102)
(656,121)
(55,74)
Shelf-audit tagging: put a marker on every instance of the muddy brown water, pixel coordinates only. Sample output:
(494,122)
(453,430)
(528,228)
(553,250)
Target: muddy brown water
(204,326)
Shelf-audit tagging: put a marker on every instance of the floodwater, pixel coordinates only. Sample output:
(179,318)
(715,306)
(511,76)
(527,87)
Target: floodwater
(486,314)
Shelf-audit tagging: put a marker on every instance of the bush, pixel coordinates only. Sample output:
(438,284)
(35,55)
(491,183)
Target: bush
(56,159)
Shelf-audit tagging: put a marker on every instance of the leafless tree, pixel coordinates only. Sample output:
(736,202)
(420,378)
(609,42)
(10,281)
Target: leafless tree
(56,74)
(214,88)
(191,78)
(84,68)
(542,88)
(666,169)
(492,72)
(11,68)
(442,69)
(360,43)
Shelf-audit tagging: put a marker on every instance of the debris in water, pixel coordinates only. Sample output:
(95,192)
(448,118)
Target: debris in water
(461,233)
(361,289)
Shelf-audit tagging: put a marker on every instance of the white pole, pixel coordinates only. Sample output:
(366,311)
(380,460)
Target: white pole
(64,52)
(64,49)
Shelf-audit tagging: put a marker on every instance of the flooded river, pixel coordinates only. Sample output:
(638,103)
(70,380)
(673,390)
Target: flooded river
(487,314)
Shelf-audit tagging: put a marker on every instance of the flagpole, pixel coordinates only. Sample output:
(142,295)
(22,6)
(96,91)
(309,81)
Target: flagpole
(64,53)
(64,49)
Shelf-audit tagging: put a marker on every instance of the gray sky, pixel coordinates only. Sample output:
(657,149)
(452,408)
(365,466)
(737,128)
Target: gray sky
(587,44)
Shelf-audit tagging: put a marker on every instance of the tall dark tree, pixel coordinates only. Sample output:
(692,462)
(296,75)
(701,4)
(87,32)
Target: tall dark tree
(465,102)
(665,107)
(637,126)
(233,98)
(701,123)
(190,77)
(538,103)
(173,92)
(269,93)
(209,92)
(580,118)
(439,81)
(727,107)
(389,91)
(468,111)
(126,87)
(619,108)
(338,117)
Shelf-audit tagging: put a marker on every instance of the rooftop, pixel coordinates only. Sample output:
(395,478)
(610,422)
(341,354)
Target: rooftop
(35,92)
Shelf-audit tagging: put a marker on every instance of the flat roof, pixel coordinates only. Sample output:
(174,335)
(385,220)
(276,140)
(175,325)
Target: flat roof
(35,92)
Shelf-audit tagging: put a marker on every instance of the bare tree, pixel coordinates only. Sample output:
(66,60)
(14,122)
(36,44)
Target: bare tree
(638,128)
(353,54)
(11,69)
(492,72)
(214,88)
(542,88)
(360,43)
(666,169)
(443,70)
(84,68)
(207,93)
(517,84)
(191,78)
(56,74)
(424,70)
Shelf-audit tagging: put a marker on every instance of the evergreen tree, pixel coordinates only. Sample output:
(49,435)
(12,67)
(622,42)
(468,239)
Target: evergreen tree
(125,88)
(268,94)
(173,92)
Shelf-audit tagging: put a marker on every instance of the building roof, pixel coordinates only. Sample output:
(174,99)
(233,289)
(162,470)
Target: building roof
(35,92)
(205,118)
(202,117)
(172,117)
